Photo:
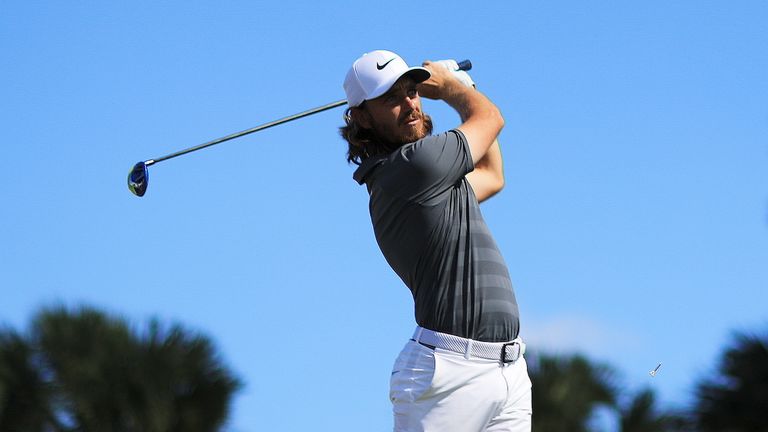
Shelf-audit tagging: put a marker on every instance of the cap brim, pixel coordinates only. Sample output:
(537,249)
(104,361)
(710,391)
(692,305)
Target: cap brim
(418,74)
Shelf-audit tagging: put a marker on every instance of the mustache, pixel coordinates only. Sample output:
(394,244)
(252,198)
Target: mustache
(410,115)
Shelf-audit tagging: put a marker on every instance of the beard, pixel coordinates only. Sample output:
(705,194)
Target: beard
(395,137)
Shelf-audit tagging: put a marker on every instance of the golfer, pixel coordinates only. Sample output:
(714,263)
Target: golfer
(463,368)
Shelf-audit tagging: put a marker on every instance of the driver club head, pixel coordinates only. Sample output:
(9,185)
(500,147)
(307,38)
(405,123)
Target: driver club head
(138,179)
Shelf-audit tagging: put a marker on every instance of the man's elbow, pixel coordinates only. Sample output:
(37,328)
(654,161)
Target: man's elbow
(498,120)
(494,187)
(498,184)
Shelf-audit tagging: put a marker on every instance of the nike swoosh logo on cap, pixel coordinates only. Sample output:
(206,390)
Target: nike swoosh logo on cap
(380,67)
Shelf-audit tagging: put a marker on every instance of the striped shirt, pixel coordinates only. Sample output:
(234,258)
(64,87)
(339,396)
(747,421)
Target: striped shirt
(430,229)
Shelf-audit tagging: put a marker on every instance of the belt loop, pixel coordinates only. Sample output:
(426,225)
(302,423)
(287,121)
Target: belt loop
(419,330)
(468,353)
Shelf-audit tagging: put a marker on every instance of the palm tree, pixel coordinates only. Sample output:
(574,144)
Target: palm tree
(82,370)
(566,390)
(641,415)
(737,398)
(23,391)
(186,371)
(93,361)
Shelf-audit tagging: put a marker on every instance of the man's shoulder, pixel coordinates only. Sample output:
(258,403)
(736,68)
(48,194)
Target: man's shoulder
(433,142)
(425,149)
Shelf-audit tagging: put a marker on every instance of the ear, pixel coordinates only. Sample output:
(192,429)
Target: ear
(361,116)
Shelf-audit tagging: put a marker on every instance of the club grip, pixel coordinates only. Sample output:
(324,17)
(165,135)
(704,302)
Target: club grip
(465,65)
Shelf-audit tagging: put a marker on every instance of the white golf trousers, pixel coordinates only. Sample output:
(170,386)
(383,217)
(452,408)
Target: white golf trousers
(442,391)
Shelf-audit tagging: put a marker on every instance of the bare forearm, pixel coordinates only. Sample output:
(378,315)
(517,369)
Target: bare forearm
(469,102)
(492,162)
(481,119)
(487,179)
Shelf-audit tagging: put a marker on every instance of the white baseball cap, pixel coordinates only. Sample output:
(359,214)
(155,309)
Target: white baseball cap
(374,73)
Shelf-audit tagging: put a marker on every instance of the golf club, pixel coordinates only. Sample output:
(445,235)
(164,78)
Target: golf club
(138,177)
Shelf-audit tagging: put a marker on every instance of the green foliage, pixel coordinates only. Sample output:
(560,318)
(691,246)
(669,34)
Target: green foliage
(92,372)
(23,392)
(641,415)
(737,398)
(566,390)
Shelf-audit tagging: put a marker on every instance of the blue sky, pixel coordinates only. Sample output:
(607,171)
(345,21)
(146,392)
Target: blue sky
(634,220)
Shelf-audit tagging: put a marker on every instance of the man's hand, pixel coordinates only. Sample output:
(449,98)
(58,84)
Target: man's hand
(487,179)
(481,119)
(441,85)
(460,75)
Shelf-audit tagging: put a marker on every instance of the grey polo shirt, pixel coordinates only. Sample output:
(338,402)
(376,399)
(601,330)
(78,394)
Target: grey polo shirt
(429,227)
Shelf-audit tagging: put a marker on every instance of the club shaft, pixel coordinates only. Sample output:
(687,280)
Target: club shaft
(249,131)
(463,65)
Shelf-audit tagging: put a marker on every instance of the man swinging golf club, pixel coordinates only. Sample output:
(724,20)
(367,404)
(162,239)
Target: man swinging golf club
(463,369)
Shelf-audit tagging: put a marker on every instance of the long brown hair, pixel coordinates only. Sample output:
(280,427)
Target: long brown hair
(364,143)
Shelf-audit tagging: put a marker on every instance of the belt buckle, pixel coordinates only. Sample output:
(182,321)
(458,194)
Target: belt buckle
(504,352)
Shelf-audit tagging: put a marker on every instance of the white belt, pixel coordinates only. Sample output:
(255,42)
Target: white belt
(505,352)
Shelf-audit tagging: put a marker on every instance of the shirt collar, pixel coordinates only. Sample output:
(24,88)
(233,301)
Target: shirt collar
(367,167)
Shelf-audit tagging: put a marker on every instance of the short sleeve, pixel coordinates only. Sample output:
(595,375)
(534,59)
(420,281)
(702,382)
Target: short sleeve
(428,168)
